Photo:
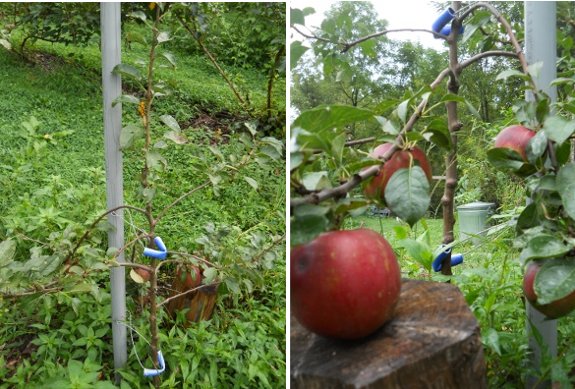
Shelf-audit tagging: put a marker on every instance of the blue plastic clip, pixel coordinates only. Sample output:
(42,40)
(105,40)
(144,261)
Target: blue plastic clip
(456,259)
(447,30)
(162,253)
(155,372)
(443,19)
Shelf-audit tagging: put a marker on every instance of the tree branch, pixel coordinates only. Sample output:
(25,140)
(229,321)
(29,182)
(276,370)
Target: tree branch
(349,45)
(495,53)
(356,179)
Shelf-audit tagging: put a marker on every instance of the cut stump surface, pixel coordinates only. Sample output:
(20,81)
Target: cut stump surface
(433,341)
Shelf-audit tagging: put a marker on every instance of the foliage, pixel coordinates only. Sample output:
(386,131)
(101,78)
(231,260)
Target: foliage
(53,192)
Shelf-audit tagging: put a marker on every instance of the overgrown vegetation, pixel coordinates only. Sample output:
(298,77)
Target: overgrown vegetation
(55,295)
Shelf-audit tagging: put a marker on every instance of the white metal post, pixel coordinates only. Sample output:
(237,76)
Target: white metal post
(541,46)
(112,88)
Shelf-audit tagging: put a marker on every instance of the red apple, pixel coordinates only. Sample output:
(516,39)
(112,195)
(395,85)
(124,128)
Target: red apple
(145,274)
(188,277)
(515,138)
(552,310)
(401,159)
(344,284)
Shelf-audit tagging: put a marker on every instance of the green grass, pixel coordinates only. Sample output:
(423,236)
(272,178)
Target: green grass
(491,279)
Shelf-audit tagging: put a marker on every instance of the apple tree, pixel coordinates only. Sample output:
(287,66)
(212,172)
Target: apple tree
(328,169)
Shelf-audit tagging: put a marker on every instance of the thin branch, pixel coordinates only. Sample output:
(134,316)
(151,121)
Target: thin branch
(182,197)
(495,53)
(93,225)
(360,141)
(186,292)
(349,45)
(356,179)
(313,36)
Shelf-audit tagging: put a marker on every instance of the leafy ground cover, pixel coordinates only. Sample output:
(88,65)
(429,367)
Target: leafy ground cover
(52,187)
(490,279)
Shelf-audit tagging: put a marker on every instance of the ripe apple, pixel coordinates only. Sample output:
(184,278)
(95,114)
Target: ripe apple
(188,277)
(344,284)
(515,138)
(552,310)
(401,159)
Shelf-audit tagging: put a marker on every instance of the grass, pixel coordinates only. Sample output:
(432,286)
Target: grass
(49,185)
(490,278)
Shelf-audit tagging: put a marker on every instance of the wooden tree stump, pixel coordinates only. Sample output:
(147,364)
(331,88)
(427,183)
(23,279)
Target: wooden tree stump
(432,342)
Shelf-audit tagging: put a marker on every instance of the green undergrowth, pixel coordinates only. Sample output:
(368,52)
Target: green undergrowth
(490,279)
(52,186)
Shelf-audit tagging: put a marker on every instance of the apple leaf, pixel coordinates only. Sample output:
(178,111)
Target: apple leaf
(210,274)
(308,222)
(566,188)
(504,75)
(128,71)
(316,181)
(543,246)
(527,219)
(7,252)
(555,280)
(558,129)
(136,277)
(130,134)
(297,50)
(169,121)
(328,117)
(407,194)
(536,147)
(506,159)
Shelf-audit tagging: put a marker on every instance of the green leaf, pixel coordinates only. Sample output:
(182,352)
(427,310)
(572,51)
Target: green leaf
(127,70)
(306,227)
(402,110)
(169,121)
(331,117)
(210,274)
(555,280)
(163,36)
(296,159)
(419,251)
(126,99)
(7,252)
(504,75)
(170,58)
(297,50)
(155,160)
(506,159)
(387,125)
(558,129)
(232,285)
(7,45)
(316,181)
(253,183)
(138,15)
(536,147)
(543,246)
(528,218)
(566,188)
(296,16)
(176,137)
(407,194)
(130,134)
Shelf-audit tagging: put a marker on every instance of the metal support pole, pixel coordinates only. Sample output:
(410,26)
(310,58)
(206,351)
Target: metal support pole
(541,46)
(112,89)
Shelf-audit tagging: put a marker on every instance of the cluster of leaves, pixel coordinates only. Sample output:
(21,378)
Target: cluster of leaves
(68,23)
(546,226)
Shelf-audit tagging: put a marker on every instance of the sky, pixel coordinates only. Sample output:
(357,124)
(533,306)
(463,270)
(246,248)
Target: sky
(399,14)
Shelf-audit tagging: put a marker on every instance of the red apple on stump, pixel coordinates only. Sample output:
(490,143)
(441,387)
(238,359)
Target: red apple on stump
(401,159)
(344,284)
(552,310)
(516,138)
